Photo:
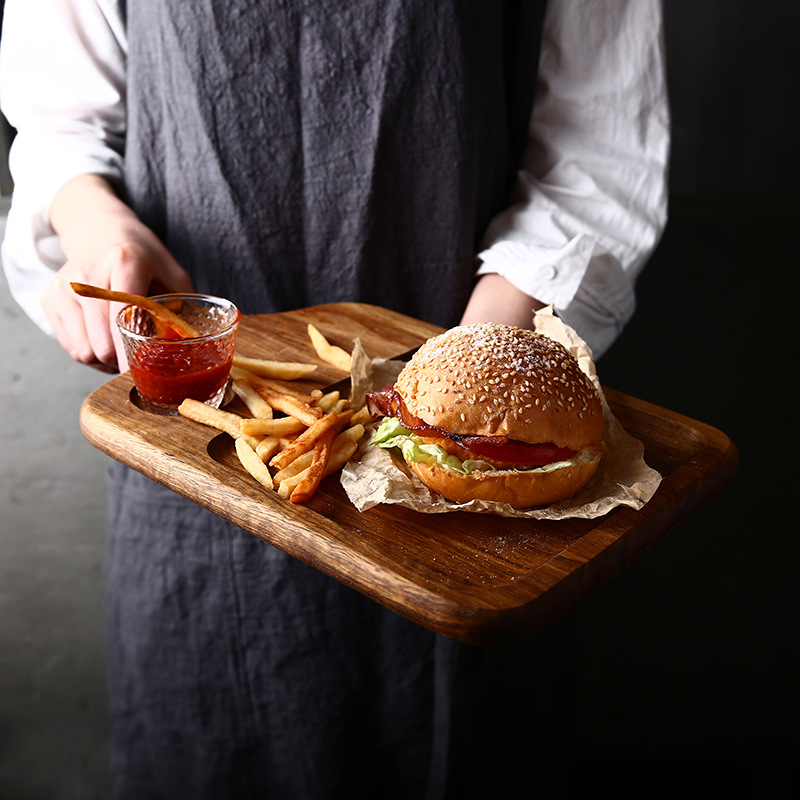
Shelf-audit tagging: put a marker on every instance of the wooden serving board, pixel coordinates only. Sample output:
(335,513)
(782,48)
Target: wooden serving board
(476,578)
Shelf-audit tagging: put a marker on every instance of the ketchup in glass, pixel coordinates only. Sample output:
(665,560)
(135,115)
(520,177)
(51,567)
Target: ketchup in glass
(168,367)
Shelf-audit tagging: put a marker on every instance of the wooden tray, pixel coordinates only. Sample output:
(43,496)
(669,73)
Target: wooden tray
(476,578)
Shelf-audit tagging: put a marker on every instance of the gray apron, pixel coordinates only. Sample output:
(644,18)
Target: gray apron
(291,153)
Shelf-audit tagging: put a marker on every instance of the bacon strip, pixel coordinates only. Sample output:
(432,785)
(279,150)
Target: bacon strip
(379,404)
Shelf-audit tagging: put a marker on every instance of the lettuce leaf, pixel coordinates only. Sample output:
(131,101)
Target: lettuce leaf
(391,433)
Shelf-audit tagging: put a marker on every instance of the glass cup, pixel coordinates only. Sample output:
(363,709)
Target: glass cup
(167,368)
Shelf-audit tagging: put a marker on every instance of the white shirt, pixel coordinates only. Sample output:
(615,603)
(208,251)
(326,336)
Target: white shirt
(590,203)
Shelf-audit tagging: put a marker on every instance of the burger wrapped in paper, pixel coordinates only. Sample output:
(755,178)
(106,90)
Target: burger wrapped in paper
(493,412)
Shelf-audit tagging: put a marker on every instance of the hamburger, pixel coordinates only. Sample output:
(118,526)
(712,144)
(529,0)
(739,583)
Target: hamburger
(493,412)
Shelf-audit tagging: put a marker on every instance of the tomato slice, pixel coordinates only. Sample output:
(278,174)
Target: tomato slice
(513,451)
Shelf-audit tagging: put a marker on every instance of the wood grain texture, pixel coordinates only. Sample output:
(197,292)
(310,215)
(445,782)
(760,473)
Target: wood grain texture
(476,578)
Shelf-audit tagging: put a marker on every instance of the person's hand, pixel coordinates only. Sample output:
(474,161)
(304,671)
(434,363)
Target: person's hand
(106,245)
(494,299)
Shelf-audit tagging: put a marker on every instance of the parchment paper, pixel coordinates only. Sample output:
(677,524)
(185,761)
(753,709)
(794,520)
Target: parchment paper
(375,475)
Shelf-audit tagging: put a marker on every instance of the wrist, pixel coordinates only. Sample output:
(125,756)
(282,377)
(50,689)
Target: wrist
(495,299)
(81,201)
(87,211)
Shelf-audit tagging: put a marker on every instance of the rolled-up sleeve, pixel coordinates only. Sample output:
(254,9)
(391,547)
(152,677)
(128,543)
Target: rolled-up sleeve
(590,202)
(62,87)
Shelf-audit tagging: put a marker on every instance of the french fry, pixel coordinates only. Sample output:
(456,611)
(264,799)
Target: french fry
(344,442)
(156,309)
(344,445)
(267,385)
(280,370)
(361,416)
(272,384)
(283,443)
(255,403)
(277,426)
(328,352)
(307,414)
(289,400)
(300,464)
(327,401)
(205,414)
(340,456)
(252,463)
(267,447)
(286,487)
(332,402)
(351,434)
(241,374)
(300,487)
(308,439)
(305,489)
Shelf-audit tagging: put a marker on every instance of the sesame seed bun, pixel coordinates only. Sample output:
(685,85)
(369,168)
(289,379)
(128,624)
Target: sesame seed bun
(490,379)
(497,380)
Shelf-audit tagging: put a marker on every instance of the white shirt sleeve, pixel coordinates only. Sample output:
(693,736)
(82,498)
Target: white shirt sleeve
(62,86)
(591,197)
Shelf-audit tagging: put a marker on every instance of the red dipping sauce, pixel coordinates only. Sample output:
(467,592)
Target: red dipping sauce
(166,367)
(168,377)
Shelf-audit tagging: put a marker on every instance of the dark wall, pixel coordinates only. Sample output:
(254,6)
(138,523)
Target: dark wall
(687,664)
(733,70)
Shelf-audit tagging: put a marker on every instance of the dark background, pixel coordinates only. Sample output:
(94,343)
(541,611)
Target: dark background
(688,668)
(687,671)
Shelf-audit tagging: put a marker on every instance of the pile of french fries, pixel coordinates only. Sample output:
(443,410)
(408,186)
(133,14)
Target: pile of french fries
(294,438)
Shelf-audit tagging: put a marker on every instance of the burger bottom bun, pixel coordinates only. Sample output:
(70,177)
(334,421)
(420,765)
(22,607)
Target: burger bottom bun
(517,489)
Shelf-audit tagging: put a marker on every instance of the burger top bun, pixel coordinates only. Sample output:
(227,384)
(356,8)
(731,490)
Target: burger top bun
(490,379)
